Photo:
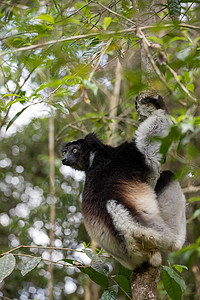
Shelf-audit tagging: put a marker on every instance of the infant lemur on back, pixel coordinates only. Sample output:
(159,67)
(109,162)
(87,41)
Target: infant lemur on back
(129,208)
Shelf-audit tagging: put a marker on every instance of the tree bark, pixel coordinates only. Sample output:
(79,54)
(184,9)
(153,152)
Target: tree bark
(144,282)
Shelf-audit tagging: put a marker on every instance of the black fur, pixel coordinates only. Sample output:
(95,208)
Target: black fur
(165,178)
(158,103)
(111,167)
(115,163)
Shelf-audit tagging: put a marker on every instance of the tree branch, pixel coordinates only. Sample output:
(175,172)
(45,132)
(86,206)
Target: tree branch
(84,36)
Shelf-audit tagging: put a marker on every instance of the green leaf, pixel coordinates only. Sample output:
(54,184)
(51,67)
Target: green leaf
(96,276)
(92,255)
(100,267)
(30,265)
(15,101)
(173,283)
(61,107)
(110,293)
(90,85)
(124,283)
(7,264)
(124,271)
(174,8)
(179,268)
(69,261)
(191,247)
(106,22)
(193,199)
(47,18)
(16,116)
(196,214)
(190,87)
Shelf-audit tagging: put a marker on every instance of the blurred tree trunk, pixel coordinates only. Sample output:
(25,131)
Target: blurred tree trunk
(91,288)
(114,102)
(52,208)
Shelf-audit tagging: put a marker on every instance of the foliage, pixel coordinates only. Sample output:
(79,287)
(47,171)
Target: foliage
(63,55)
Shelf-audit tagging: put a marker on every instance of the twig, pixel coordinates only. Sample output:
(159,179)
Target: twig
(180,83)
(120,287)
(115,13)
(146,46)
(76,11)
(3,297)
(100,58)
(130,121)
(40,247)
(191,189)
(43,247)
(53,92)
(49,260)
(170,25)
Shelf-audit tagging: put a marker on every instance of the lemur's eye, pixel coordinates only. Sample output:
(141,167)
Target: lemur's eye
(75,150)
(64,152)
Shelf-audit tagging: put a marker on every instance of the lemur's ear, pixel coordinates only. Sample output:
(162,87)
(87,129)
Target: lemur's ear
(136,103)
(92,141)
(162,104)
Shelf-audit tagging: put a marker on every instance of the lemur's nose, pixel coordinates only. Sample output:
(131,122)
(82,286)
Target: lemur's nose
(64,161)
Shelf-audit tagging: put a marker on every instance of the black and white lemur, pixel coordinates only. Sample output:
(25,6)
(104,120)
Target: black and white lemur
(126,210)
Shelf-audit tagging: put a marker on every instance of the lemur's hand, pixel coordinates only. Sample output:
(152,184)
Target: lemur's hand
(147,103)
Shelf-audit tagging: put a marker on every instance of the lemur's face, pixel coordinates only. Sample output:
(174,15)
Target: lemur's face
(71,155)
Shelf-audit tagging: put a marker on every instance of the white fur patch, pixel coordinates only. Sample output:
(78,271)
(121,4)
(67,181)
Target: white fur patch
(125,223)
(91,158)
(157,125)
(142,243)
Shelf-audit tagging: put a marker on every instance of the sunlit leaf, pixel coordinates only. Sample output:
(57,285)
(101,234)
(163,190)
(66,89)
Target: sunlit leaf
(92,255)
(7,264)
(47,18)
(30,265)
(100,267)
(190,87)
(106,22)
(15,117)
(90,85)
(61,107)
(180,268)
(193,199)
(12,102)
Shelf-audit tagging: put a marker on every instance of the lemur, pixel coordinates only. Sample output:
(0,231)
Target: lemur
(126,210)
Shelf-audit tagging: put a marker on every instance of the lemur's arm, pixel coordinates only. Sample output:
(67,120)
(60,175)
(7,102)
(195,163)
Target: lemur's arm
(156,124)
